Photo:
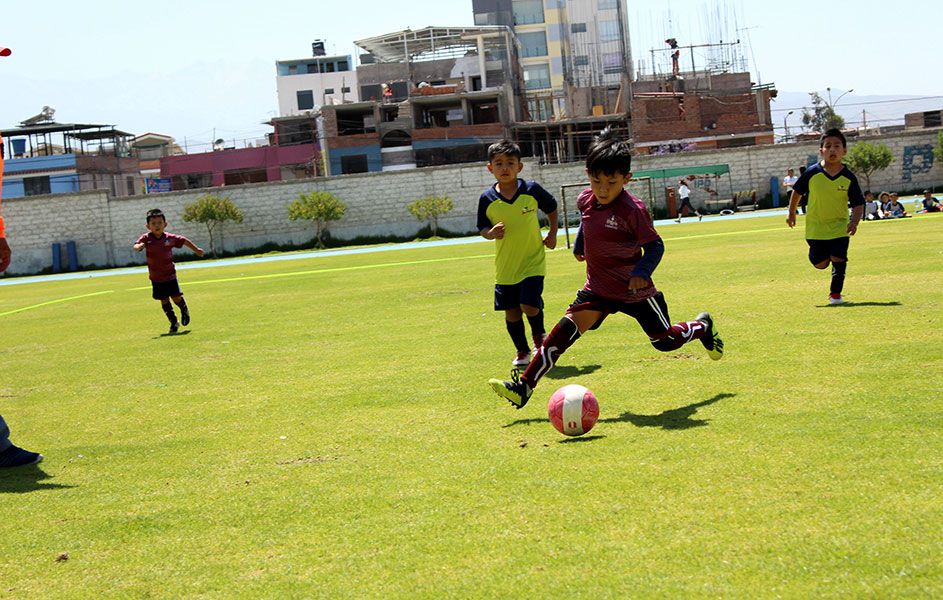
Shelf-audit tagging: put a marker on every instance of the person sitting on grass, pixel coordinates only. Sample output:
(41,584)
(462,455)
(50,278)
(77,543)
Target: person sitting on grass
(894,209)
(872,208)
(931,204)
(621,248)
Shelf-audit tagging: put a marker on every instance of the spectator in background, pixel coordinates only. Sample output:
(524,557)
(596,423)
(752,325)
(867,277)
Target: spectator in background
(894,209)
(930,204)
(872,208)
(788,181)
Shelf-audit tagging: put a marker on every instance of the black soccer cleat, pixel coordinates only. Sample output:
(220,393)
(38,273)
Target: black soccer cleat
(516,392)
(14,456)
(184,317)
(174,327)
(711,339)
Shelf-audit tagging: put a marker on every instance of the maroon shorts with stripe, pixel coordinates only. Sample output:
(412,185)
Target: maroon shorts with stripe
(651,313)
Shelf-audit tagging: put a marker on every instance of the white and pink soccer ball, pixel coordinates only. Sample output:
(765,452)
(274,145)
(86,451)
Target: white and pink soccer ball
(573,410)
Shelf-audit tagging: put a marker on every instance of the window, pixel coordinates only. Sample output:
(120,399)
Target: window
(578,28)
(36,186)
(536,77)
(327,67)
(354,164)
(612,63)
(607,4)
(580,61)
(345,90)
(533,43)
(292,69)
(343,65)
(328,90)
(609,31)
(131,187)
(305,99)
(313,68)
(527,12)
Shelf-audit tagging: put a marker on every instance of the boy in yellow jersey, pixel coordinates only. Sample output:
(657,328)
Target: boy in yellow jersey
(507,213)
(831,188)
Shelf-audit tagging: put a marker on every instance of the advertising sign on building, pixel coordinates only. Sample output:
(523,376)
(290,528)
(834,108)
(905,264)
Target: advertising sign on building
(158,185)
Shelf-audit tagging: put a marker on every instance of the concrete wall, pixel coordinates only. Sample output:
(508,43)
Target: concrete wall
(104,228)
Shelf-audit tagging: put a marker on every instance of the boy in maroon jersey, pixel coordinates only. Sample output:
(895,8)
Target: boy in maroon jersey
(160,266)
(621,249)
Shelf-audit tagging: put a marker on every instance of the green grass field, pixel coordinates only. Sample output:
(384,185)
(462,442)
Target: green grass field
(325,429)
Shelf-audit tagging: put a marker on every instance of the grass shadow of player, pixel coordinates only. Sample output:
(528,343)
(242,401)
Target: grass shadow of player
(851,304)
(21,480)
(175,334)
(672,420)
(567,371)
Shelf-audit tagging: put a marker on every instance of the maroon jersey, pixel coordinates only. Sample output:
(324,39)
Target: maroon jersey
(160,254)
(613,236)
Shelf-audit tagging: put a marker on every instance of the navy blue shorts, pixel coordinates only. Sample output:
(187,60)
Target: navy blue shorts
(822,250)
(529,292)
(161,290)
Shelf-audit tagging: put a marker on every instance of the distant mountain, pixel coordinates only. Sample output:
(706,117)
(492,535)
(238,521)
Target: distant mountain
(856,110)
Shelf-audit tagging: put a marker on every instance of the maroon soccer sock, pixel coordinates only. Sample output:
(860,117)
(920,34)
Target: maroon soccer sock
(561,337)
(678,335)
(518,335)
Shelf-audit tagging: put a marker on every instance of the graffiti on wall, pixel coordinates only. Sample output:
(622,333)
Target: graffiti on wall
(917,160)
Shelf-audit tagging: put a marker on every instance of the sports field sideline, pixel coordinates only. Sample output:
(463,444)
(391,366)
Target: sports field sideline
(324,429)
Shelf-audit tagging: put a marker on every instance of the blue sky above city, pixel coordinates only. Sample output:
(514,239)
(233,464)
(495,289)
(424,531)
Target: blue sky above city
(195,70)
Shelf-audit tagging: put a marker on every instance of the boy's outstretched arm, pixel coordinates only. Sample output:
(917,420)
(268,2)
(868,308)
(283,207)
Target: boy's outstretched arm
(856,214)
(793,205)
(192,246)
(578,251)
(138,247)
(551,240)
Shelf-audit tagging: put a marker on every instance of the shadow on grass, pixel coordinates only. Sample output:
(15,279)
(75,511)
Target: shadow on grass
(21,480)
(850,304)
(567,371)
(581,439)
(168,334)
(674,419)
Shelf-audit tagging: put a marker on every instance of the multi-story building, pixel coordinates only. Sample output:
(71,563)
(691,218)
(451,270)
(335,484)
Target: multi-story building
(307,84)
(434,96)
(45,157)
(575,54)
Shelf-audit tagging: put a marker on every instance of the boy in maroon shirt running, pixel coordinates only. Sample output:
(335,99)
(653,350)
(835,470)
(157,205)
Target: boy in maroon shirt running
(160,266)
(621,249)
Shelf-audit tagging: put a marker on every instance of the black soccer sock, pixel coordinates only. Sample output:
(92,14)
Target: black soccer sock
(518,335)
(561,337)
(537,330)
(169,311)
(181,303)
(838,276)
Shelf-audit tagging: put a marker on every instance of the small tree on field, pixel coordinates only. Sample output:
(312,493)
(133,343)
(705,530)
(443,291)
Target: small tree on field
(430,209)
(821,116)
(865,159)
(212,210)
(318,207)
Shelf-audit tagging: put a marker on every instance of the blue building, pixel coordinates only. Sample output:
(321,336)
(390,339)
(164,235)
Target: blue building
(58,158)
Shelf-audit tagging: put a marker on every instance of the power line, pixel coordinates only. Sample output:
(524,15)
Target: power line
(914,99)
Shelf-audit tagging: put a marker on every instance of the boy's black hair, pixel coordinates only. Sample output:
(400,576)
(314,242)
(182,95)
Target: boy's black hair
(866,192)
(609,155)
(506,147)
(154,212)
(835,133)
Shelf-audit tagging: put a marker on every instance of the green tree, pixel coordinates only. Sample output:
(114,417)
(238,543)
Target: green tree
(865,159)
(318,207)
(212,210)
(430,209)
(821,116)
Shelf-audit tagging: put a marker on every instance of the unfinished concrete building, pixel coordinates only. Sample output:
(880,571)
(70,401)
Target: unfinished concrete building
(435,96)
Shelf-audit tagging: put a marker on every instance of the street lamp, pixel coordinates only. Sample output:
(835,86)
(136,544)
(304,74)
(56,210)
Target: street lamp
(786,127)
(833,104)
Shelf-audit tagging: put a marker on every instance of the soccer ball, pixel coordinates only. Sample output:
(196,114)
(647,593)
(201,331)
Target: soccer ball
(573,410)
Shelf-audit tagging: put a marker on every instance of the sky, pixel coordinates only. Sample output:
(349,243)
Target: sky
(201,70)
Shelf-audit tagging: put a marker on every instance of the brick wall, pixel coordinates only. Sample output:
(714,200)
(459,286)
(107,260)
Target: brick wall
(104,228)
